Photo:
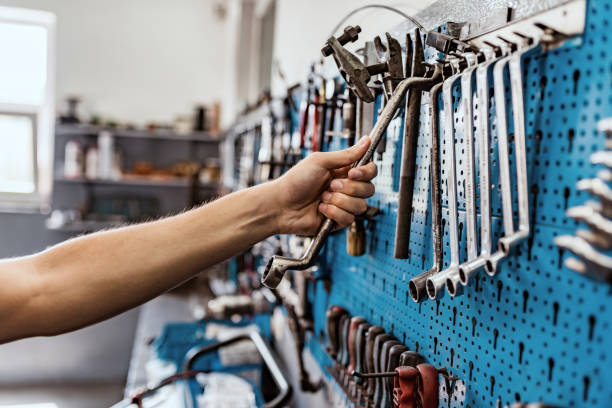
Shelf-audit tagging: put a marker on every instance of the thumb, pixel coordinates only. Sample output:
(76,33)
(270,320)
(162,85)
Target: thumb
(342,158)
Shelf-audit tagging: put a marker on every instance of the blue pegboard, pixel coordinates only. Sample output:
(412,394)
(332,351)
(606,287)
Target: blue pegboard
(536,331)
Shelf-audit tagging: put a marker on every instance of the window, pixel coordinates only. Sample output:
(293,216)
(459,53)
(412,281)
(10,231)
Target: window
(27,52)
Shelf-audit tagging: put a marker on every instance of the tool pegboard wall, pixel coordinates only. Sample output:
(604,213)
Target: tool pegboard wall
(536,331)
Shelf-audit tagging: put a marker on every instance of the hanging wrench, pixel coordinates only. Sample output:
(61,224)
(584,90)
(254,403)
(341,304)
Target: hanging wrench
(482,91)
(511,237)
(452,279)
(416,285)
(278,265)
(436,281)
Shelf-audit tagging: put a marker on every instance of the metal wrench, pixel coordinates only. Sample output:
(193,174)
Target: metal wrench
(482,91)
(278,265)
(511,237)
(416,285)
(452,280)
(436,281)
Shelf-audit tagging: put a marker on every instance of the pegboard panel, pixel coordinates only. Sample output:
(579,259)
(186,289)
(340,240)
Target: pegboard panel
(536,331)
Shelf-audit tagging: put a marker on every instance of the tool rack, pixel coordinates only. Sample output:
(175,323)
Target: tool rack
(536,331)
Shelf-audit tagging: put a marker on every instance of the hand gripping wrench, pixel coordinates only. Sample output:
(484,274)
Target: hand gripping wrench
(452,279)
(435,282)
(511,237)
(482,89)
(278,265)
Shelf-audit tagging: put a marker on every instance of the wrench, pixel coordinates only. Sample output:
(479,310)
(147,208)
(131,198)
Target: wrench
(416,285)
(482,88)
(435,282)
(278,265)
(452,279)
(511,237)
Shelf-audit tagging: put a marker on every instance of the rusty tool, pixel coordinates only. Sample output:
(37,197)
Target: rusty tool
(409,149)
(416,286)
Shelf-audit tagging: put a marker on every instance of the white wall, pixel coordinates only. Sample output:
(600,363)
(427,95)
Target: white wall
(138,60)
(302,27)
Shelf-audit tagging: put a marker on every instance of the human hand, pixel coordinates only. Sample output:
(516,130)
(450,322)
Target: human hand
(324,183)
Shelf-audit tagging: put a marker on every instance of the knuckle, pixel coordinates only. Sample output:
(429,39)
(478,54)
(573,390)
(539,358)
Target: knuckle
(363,206)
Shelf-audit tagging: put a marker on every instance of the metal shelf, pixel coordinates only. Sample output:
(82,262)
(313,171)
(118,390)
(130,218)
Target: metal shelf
(181,182)
(89,130)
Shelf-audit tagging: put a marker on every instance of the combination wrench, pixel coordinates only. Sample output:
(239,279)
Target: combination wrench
(511,237)
(278,265)
(435,282)
(416,285)
(452,280)
(467,269)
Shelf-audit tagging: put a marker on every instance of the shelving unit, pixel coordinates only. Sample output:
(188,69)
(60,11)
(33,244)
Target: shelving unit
(163,134)
(160,195)
(181,182)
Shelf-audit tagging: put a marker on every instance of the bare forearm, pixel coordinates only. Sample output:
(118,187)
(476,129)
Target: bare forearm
(88,279)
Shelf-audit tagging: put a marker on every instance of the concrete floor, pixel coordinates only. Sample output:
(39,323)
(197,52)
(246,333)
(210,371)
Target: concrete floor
(63,396)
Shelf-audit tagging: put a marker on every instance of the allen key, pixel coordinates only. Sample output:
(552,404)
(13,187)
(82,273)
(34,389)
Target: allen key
(436,281)
(511,237)
(482,89)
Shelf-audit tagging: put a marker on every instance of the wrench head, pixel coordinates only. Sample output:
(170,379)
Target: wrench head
(276,268)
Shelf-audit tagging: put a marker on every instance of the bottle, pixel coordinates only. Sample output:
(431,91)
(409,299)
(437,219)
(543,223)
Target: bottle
(106,155)
(91,163)
(73,160)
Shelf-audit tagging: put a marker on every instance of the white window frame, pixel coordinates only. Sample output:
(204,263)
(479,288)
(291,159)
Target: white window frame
(44,118)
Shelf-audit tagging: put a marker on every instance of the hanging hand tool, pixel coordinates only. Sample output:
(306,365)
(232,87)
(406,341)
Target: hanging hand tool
(392,363)
(452,280)
(466,270)
(409,150)
(391,55)
(333,315)
(352,336)
(373,333)
(416,285)
(360,345)
(511,237)
(345,321)
(356,74)
(379,341)
(277,266)
(382,366)
(435,282)
(414,387)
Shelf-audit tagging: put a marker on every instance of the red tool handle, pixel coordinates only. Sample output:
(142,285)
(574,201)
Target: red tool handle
(428,387)
(404,387)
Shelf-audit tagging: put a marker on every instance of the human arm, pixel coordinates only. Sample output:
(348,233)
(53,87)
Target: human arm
(91,278)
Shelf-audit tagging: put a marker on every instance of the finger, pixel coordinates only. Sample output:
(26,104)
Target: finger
(347,203)
(341,172)
(342,158)
(342,218)
(353,188)
(364,173)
